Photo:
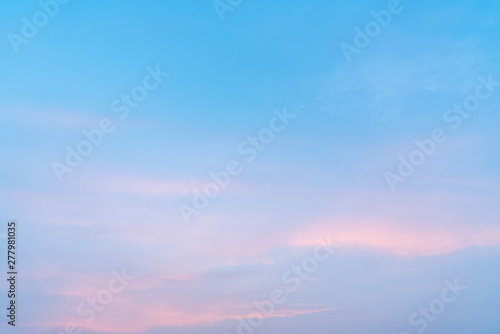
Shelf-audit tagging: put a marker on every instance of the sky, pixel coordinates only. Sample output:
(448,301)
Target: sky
(239,167)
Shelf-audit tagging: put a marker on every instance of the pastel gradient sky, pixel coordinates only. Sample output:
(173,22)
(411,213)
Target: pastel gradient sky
(322,176)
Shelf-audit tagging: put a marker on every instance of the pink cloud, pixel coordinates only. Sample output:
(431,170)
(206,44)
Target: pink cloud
(396,237)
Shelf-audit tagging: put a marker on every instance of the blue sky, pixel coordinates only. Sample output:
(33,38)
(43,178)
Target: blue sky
(321,176)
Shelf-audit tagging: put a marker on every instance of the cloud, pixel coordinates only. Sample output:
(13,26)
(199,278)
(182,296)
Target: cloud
(397,238)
